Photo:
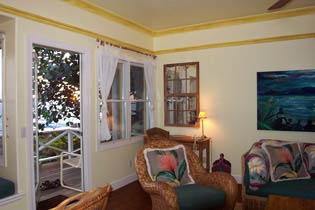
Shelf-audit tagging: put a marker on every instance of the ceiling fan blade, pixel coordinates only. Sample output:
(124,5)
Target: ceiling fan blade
(279,4)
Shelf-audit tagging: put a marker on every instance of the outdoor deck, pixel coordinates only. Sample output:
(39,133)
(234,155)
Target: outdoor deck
(51,172)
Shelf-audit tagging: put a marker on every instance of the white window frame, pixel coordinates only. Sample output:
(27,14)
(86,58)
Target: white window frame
(104,145)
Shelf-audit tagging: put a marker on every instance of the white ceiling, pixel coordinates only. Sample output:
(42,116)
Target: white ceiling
(164,14)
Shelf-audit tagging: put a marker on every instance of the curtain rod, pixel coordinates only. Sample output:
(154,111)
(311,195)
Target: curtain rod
(102,43)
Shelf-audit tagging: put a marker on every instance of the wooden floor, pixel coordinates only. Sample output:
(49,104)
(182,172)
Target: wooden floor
(51,172)
(132,197)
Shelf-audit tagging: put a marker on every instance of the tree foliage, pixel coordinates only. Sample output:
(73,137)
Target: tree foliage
(58,74)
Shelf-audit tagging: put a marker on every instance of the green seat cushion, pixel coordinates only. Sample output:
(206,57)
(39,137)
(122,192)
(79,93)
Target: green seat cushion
(302,188)
(199,197)
(6,188)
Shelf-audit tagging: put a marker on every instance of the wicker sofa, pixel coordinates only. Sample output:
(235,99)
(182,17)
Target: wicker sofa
(256,199)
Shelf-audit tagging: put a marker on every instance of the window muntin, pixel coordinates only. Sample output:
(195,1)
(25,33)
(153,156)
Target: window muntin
(127,102)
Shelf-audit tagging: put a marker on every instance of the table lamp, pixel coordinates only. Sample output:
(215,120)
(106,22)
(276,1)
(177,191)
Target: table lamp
(202,116)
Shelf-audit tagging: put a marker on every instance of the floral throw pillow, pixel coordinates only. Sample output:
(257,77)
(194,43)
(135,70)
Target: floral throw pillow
(168,165)
(285,162)
(308,153)
(258,164)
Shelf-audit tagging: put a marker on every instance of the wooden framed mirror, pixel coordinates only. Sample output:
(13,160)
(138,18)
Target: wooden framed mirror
(181,94)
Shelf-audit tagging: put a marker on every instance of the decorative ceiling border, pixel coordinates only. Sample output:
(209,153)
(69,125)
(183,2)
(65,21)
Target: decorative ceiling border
(68,27)
(238,21)
(238,43)
(203,26)
(108,15)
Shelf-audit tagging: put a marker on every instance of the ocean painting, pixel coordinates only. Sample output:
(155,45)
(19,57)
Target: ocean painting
(286,100)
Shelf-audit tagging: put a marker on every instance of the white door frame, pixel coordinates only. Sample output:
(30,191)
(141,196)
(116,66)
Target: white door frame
(85,107)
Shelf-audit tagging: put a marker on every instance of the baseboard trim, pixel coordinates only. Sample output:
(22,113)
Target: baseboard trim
(123,181)
(238,178)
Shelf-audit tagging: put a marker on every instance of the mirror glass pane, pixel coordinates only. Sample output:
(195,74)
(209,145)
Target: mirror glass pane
(170,73)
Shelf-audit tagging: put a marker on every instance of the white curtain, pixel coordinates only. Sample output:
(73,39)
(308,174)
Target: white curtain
(149,73)
(108,57)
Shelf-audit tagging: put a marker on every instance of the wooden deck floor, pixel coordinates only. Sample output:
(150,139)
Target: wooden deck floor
(51,172)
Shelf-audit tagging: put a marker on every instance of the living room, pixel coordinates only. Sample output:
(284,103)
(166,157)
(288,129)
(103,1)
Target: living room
(229,54)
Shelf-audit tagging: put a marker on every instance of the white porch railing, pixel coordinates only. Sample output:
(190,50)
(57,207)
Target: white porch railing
(69,132)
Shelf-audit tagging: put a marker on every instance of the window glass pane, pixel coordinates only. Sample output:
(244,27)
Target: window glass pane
(138,119)
(117,88)
(137,83)
(116,120)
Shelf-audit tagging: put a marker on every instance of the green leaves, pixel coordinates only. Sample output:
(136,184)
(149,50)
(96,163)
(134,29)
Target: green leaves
(181,169)
(167,175)
(58,85)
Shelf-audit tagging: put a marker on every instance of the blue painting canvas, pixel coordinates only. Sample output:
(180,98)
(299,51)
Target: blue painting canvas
(286,100)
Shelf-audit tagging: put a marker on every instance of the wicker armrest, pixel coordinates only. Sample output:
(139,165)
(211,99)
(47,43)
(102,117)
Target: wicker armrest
(222,181)
(164,191)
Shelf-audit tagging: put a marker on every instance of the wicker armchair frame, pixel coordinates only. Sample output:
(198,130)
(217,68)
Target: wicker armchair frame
(163,195)
(92,200)
(155,133)
(251,202)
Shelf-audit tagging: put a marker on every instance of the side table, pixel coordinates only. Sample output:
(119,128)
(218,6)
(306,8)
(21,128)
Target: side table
(202,144)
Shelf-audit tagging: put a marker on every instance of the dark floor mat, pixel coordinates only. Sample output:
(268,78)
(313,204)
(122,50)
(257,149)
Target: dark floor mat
(51,202)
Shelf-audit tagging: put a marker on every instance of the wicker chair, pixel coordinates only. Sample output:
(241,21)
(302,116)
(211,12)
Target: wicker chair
(163,196)
(155,133)
(92,200)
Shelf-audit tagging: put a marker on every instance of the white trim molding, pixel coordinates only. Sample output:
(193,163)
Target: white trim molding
(238,178)
(123,181)
(11,198)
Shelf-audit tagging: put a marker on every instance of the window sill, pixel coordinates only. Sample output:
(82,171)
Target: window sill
(119,143)
(11,199)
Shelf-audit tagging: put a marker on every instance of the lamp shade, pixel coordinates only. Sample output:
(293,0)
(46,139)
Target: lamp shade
(202,115)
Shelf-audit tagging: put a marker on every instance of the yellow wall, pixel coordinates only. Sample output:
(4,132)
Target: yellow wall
(103,168)
(10,171)
(227,81)
(228,78)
